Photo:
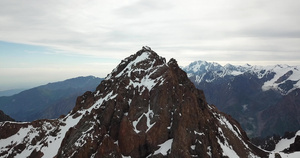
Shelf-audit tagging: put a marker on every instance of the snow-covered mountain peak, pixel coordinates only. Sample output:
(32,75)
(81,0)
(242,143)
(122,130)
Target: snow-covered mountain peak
(229,66)
(286,79)
(143,61)
(282,78)
(144,70)
(202,66)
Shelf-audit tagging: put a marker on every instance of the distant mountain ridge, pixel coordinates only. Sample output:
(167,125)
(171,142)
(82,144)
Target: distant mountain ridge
(264,99)
(47,101)
(283,78)
(10,92)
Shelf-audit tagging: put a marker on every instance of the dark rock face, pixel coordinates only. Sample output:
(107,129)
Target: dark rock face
(148,107)
(4,117)
(268,143)
(296,145)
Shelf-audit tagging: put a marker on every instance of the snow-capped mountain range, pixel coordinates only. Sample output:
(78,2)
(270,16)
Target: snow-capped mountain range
(282,78)
(264,99)
(146,107)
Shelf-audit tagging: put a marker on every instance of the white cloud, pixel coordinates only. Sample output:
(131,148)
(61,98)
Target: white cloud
(186,30)
(106,26)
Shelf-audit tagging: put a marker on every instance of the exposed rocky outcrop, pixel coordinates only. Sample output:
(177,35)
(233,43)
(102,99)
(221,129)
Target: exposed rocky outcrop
(295,146)
(269,143)
(4,117)
(146,107)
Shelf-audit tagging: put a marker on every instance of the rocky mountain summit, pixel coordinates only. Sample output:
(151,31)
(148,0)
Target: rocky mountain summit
(264,99)
(146,107)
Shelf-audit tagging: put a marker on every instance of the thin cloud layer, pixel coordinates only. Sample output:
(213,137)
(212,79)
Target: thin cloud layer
(106,28)
(238,32)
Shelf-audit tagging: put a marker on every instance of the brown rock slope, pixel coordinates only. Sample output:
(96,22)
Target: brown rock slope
(4,117)
(146,107)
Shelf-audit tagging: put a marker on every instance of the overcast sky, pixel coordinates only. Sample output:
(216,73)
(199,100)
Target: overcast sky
(49,40)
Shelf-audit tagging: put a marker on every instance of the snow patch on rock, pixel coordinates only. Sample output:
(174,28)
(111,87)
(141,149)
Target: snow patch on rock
(164,147)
